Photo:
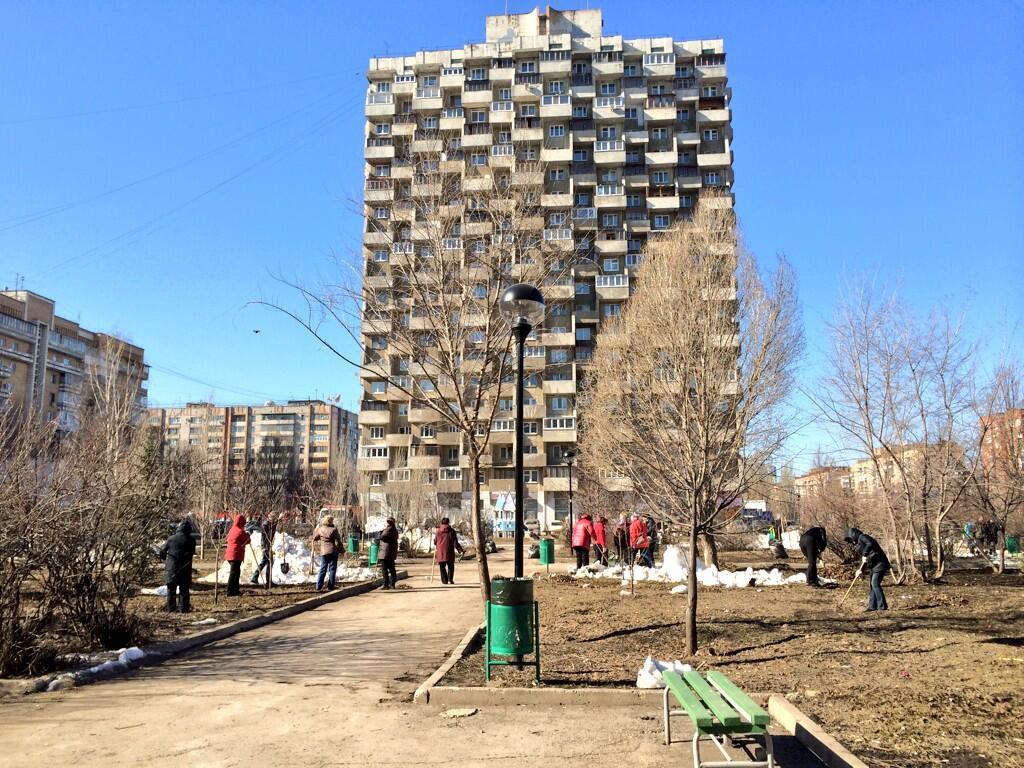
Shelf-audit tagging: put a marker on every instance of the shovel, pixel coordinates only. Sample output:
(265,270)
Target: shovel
(855,577)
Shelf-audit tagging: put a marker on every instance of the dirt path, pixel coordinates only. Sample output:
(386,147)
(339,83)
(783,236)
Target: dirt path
(328,687)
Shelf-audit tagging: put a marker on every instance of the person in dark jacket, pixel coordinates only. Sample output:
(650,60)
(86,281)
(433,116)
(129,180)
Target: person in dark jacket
(446,544)
(873,559)
(812,544)
(177,553)
(652,540)
(234,553)
(267,530)
(389,553)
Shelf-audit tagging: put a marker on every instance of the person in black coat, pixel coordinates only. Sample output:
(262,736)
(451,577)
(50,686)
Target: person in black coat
(872,558)
(177,553)
(812,544)
(388,553)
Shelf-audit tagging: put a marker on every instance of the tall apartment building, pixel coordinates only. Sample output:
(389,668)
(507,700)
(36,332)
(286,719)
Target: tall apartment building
(1002,449)
(619,137)
(44,359)
(315,437)
(824,481)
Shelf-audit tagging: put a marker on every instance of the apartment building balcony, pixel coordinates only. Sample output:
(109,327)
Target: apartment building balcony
(452,77)
(559,429)
(431,145)
(374,418)
(663,199)
(560,65)
(584,217)
(527,134)
(609,152)
(427,100)
(583,174)
(379,190)
(714,159)
(558,289)
(502,75)
(659,64)
(559,238)
(446,438)
(609,107)
(556,154)
(687,138)
(502,437)
(634,88)
(687,90)
(635,136)
(527,177)
(422,415)
(425,462)
(450,486)
(401,170)
(379,149)
(714,116)
(610,196)
(710,71)
(20,328)
(563,339)
(585,314)
(722,202)
(638,222)
(502,112)
(380,104)
(376,281)
(555,105)
(635,176)
(476,98)
(526,91)
(582,87)
(477,138)
(661,157)
(6,370)
(66,344)
(688,177)
(479,183)
(453,119)
(567,387)
(556,199)
(611,244)
(660,109)
(612,287)
(607,67)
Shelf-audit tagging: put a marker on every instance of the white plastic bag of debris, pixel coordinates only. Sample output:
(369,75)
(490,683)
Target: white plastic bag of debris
(649,675)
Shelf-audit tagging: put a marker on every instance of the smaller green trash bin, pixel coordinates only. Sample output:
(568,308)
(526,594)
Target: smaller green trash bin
(374,552)
(1013,545)
(511,617)
(353,544)
(547,551)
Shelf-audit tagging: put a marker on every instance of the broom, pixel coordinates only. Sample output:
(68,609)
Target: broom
(855,577)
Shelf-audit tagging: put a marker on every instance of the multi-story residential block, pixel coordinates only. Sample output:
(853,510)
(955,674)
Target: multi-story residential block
(823,481)
(45,358)
(312,437)
(616,138)
(1002,448)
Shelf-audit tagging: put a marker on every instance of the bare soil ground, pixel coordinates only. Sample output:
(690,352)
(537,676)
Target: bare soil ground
(936,680)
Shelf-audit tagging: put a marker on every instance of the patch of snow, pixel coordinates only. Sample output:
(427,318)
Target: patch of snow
(160,591)
(296,553)
(673,570)
(649,675)
(128,655)
(204,622)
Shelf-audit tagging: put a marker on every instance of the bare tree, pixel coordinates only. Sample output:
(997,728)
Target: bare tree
(902,391)
(997,487)
(444,238)
(688,389)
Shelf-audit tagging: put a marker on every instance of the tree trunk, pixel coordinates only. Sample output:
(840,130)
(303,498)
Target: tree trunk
(709,549)
(940,555)
(476,520)
(691,593)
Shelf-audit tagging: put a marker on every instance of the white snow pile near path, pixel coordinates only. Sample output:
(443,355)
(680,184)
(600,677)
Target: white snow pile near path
(375,524)
(649,675)
(288,549)
(125,658)
(790,540)
(673,571)
(160,591)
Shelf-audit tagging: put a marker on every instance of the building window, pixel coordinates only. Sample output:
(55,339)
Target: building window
(478,159)
(609,89)
(709,90)
(453,454)
(556,174)
(378,387)
(478,73)
(612,310)
(580,155)
(556,131)
(609,219)
(662,222)
(559,404)
(711,178)
(376,479)
(682,115)
(659,133)
(478,116)
(376,433)
(710,134)
(660,177)
(382,129)
(631,113)
(611,265)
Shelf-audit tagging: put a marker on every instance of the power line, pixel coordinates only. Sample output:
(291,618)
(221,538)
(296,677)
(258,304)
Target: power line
(212,385)
(28,218)
(162,103)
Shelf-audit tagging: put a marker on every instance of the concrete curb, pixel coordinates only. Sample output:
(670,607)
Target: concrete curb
(811,735)
(422,695)
(157,654)
(453,696)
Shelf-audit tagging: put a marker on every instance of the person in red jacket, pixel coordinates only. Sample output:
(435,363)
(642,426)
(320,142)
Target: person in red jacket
(582,535)
(638,540)
(601,540)
(446,543)
(234,553)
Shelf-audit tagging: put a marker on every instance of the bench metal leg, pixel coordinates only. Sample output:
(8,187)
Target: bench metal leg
(696,748)
(668,720)
(768,748)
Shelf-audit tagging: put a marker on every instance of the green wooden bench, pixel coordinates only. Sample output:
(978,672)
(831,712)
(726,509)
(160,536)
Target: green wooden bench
(719,711)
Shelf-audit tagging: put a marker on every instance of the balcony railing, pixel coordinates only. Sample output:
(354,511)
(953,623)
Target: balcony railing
(609,190)
(378,184)
(559,422)
(555,98)
(380,98)
(504,150)
(610,101)
(501,106)
(452,243)
(654,102)
(382,142)
(451,71)
(613,145)
(612,281)
(477,85)
(432,92)
(584,214)
(558,234)
(582,80)
(452,112)
(582,124)
(527,78)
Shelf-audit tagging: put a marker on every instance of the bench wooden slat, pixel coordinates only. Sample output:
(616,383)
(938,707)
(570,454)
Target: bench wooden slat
(689,701)
(709,698)
(739,699)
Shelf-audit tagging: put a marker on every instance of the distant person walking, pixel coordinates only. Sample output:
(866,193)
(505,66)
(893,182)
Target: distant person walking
(582,536)
(268,529)
(326,534)
(177,553)
(872,558)
(601,540)
(389,553)
(620,535)
(446,544)
(652,540)
(639,541)
(812,544)
(234,553)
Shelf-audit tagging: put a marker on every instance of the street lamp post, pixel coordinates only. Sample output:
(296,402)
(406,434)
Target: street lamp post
(569,457)
(523,306)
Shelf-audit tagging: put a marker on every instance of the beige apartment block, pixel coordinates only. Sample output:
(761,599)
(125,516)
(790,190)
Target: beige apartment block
(829,482)
(318,437)
(45,358)
(616,137)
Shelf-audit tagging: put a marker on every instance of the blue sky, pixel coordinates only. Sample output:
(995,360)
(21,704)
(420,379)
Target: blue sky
(160,163)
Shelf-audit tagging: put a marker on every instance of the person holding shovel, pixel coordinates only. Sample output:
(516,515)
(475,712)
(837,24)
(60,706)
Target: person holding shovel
(268,529)
(620,535)
(177,553)
(872,558)
(389,553)
(446,544)
(639,543)
(601,540)
(234,553)
(582,536)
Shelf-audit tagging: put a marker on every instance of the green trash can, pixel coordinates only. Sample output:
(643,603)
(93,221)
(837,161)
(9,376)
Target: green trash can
(353,544)
(547,551)
(511,617)
(1013,545)
(374,552)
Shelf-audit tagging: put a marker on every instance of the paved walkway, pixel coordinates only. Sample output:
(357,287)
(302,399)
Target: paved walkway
(331,687)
